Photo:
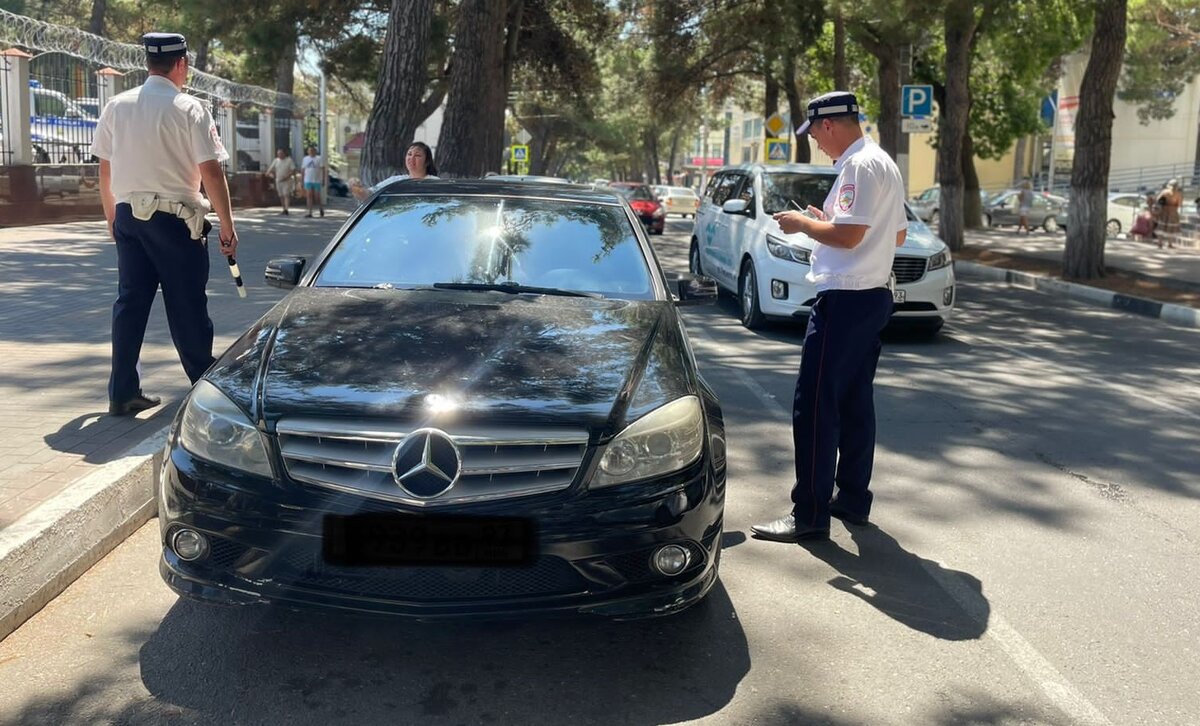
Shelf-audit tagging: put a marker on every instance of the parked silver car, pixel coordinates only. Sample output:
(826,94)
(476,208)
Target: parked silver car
(1049,211)
(925,205)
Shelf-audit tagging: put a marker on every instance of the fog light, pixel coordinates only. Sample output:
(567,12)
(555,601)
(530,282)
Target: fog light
(189,544)
(671,559)
(779,289)
(948,295)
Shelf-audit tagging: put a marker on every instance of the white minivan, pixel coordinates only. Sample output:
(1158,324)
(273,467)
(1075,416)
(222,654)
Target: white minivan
(737,243)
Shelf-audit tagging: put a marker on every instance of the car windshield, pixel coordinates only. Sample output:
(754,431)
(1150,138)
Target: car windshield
(782,189)
(636,193)
(414,241)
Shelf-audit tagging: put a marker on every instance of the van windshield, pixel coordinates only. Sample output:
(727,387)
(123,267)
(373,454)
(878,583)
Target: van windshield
(781,189)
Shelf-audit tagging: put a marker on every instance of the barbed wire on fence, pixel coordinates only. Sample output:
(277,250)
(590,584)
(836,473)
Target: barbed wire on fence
(46,37)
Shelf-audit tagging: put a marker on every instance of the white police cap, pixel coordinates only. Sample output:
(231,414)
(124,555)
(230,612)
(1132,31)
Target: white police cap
(829,105)
(164,45)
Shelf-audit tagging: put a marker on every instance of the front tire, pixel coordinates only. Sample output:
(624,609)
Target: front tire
(1113,227)
(694,265)
(1050,225)
(752,316)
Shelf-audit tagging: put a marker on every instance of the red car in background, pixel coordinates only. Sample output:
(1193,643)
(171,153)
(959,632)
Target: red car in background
(645,205)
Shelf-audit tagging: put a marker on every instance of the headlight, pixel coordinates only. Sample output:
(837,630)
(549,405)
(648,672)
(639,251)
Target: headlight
(663,441)
(658,212)
(784,251)
(940,260)
(215,429)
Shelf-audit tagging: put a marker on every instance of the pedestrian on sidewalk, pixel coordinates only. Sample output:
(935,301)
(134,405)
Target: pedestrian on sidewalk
(418,160)
(283,170)
(156,144)
(314,177)
(1024,206)
(856,235)
(1169,202)
(1143,223)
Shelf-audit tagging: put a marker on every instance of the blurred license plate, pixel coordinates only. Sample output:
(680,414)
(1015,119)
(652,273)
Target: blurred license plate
(405,539)
(898,296)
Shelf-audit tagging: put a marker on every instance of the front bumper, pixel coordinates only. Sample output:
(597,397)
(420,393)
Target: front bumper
(593,549)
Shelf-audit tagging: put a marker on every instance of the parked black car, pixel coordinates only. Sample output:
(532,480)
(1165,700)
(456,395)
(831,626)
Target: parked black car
(338,187)
(479,399)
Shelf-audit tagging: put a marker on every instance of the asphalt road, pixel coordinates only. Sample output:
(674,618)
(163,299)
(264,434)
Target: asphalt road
(1034,560)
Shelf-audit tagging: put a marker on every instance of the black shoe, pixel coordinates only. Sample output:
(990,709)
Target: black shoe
(309,215)
(322,212)
(285,213)
(139,402)
(858,520)
(785,530)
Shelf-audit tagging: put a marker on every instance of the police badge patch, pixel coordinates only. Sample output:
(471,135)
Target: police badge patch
(846,197)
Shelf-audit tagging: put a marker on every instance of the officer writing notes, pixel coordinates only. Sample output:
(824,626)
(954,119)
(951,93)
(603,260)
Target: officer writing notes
(833,415)
(155,145)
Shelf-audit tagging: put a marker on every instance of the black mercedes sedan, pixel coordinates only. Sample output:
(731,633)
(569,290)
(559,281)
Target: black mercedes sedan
(479,399)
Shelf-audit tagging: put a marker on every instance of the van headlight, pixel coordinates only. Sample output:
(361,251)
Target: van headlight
(215,429)
(784,251)
(940,260)
(663,441)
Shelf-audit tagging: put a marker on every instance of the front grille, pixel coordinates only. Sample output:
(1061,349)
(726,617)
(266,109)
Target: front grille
(908,269)
(546,576)
(356,457)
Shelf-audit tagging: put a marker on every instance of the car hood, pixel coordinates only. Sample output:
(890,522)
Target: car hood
(476,356)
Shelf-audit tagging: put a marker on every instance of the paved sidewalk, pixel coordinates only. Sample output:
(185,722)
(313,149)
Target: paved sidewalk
(1144,258)
(55,313)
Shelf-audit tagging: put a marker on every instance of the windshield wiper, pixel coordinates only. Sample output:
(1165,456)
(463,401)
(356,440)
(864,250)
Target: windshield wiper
(513,288)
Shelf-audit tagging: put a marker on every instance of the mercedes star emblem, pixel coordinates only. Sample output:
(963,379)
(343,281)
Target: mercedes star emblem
(427,463)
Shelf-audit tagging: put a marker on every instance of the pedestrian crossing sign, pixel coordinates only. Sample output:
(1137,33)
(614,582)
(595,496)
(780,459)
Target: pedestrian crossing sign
(777,151)
(520,152)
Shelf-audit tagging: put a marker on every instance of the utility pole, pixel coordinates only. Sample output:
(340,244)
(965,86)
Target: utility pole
(323,136)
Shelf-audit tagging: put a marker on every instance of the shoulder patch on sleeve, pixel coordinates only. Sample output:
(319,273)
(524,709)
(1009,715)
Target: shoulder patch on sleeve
(845,197)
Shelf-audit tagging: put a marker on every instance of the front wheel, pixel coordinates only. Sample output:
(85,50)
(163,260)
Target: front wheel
(694,265)
(1050,225)
(987,220)
(1113,227)
(752,316)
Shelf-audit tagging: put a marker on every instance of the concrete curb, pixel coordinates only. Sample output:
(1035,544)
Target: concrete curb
(1171,313)
(49,548)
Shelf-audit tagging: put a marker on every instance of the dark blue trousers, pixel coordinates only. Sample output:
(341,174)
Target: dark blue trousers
(157,252)
(833,415)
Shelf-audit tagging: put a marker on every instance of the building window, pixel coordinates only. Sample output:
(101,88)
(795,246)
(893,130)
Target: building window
(747,129)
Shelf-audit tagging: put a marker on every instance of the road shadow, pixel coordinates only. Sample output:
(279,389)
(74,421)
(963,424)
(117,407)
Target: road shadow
(913,591)
(101,437)
(270,665)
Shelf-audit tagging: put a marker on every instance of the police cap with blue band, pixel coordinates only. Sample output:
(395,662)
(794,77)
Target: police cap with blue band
(164,45)
(830,105)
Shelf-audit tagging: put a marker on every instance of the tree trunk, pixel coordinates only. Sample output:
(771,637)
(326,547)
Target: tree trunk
(650,144)
(1019,161)
(841,74)
(772,94)
(959,29)
(972,206)
(889,99)
(471,140)
(796,109)
(1083,258)
(396,112)
(674,154)
(202,55)
(96,24)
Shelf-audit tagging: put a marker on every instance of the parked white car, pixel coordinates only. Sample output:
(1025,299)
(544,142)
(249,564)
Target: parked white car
(679,200)
(1123,208)
(737,242)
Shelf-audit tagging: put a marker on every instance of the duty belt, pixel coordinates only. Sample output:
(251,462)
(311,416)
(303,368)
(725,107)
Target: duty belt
(145,204)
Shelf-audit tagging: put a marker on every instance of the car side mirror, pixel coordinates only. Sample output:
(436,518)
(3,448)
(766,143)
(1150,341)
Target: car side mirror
(736,206)
(691,289)
(284,272)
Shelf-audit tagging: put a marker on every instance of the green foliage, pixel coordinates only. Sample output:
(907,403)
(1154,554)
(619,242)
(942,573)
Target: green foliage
(1162,55)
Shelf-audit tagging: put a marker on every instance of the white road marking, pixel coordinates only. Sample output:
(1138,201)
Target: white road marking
(1020,651)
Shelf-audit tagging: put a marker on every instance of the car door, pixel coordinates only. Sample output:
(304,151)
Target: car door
(742,226)
(718,263)
(1004,211)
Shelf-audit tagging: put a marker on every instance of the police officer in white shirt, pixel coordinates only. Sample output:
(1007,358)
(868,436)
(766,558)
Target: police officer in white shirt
(155,145)
(833,415)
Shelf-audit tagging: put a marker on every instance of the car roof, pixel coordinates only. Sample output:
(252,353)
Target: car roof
(783,168)
(504,187)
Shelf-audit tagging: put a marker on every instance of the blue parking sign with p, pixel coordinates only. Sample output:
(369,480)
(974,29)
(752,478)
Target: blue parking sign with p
(916,100)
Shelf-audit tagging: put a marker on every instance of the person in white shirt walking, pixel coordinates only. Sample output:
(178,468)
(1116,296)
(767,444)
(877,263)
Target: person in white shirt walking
(833,415)
(283,170)
(314,179)
(155,144)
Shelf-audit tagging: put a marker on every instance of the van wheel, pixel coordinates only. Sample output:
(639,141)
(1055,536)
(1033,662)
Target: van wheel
(752,316)
(694,259)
